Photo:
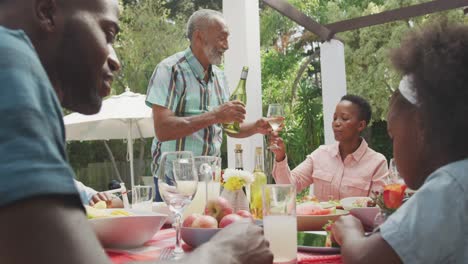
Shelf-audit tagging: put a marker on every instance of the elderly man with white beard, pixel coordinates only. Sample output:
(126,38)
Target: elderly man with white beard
(189,94)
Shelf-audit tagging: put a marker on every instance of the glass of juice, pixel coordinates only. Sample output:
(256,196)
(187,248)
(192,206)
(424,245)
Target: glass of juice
(279,221)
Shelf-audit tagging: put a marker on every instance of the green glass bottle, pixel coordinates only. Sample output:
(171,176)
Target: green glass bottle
(256,187)
(239,94)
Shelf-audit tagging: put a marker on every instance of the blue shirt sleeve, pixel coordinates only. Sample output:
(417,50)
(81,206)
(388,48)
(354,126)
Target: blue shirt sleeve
(428,228)
(32,139)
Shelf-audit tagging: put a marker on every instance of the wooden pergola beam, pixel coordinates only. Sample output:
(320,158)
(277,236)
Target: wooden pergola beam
(300,18)
(326,32)
(396,14)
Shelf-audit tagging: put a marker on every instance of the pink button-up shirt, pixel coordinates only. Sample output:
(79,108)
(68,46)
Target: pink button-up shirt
(359,173)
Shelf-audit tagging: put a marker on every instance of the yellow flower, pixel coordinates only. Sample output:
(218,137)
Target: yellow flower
(234,183)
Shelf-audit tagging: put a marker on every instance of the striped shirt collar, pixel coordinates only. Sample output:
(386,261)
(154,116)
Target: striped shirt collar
(196,66)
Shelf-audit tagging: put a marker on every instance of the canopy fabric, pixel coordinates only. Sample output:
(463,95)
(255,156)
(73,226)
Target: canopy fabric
(124,116)
(118,113)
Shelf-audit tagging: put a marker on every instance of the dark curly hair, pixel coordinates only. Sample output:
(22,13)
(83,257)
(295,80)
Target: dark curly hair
(365,112)
(437,59)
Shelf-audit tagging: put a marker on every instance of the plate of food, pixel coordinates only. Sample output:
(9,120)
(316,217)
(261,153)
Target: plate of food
(357,202)
(312,216)
(124,228)
(316,242)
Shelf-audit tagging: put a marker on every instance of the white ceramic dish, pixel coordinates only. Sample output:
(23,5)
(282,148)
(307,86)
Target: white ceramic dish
(127,231)
(347,203)
(316,222)
(195,237)
(161,208)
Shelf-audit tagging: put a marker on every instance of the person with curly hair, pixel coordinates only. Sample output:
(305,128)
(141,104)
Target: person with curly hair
(427,123)
(344,169)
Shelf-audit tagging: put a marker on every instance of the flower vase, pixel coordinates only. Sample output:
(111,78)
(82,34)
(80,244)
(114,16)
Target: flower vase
(237,199)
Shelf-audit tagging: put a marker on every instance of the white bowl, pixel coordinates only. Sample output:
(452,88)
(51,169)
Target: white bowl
(161,207)
(316,222)
(347,203)
(127,231)
(366,215)
(195,237)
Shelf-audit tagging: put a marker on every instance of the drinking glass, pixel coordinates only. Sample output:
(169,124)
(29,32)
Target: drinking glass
(393,173)
(279,221)
(209,186)
(142,198)
(275,119)
(177,184)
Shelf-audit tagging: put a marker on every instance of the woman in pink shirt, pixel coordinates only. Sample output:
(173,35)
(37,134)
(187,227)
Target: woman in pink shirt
(343,169)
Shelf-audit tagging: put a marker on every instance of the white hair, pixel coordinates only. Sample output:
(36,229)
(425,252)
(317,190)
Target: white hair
(200,19)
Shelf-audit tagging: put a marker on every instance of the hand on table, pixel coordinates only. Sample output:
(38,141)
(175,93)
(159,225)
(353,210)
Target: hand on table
(241,242)
(111,200)
(347,225)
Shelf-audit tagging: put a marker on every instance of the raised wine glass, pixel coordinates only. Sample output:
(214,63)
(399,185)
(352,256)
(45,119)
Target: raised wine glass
(275,119)
(177,183)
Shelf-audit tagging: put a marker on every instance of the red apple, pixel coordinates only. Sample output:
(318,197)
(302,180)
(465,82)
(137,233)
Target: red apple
(218,208)
(245,214)
(189,220)
(205,221)
(229,219)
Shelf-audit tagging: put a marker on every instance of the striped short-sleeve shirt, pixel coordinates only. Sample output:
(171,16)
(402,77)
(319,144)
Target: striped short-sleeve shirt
(178,84)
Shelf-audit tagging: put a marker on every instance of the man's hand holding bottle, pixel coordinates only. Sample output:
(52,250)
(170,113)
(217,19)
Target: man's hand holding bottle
(229,112)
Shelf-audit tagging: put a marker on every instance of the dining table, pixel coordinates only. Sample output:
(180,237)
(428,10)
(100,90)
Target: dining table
(164,240)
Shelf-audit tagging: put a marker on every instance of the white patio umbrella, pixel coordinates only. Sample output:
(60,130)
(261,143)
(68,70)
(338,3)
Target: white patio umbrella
(123,116)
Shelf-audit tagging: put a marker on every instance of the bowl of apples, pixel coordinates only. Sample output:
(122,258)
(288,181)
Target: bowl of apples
(198,229)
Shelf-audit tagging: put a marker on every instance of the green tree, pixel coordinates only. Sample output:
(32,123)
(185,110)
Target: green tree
(184,8)
(368,69)
(148,36)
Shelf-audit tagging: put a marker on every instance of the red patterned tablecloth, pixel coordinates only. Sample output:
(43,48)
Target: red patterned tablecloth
(166,238)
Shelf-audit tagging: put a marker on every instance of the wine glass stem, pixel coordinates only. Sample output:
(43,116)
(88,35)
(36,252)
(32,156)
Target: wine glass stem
(178,249)
(206,192)
(272,146)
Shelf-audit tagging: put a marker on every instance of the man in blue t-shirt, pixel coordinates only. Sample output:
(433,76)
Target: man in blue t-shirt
(59,53)
(51,53)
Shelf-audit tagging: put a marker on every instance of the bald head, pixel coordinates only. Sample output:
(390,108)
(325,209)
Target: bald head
(73,39)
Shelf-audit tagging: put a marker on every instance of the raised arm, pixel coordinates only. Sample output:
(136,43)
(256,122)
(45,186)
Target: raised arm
(260,126)
(301,176)
(168,126)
